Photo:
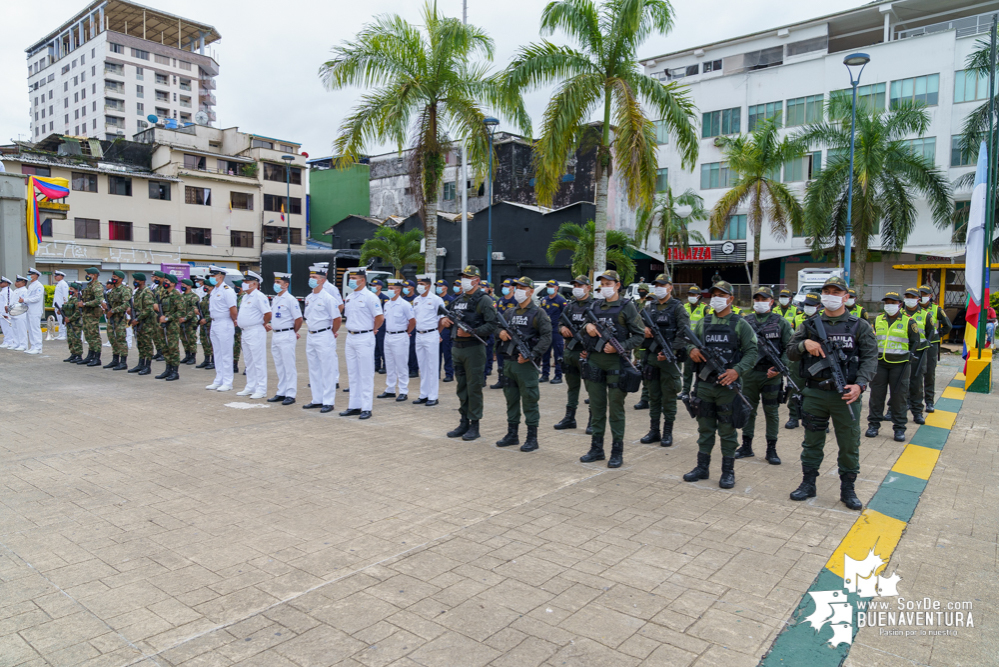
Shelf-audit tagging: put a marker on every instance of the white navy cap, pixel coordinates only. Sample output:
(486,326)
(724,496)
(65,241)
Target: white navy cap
(60,273)
(20,277)
(34,271)
(282,276)
(317,268)
(4,279)
(215,269)
(425,276)
(395,281)
(251,275)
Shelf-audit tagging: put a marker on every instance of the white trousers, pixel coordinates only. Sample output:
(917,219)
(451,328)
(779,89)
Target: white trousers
(283,351)
(34,323)
(320,350)
(396,363)
(8,332)
(62,325)
(360,351)
(427,350)
(20,331)
(255,355)
(222,334)
(128,336)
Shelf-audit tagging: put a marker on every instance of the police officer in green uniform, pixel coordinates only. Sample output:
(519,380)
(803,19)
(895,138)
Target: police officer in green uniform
(897,336)
(921,354)
(762,383)
(662,378)
(855,308)
(534,327)
(730,335)
(643,299)
(571,361)
(476,311)
(504,302)
(785,308)
(605,367)
(822,401)
(696,309)
(941,328)
(810,306)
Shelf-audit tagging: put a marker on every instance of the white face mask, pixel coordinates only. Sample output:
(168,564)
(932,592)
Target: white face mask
(924,300)
(660,292)
(832,301)
(579,292)
(810,310)
(761,307)
(891,308)
(719,303)
(911,303)
(850,302)
(520,295)
(608,291)
(422,289)
(466,284)
(784,300)
(692,300)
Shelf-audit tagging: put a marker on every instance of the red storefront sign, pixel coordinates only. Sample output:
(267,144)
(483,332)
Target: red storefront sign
(694,253)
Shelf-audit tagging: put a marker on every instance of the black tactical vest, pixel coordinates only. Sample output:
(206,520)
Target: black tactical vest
(769,329)
(668,320)
(576,311)
(467,307)
(524,324)
(844,331)
(611,318)
(723,338)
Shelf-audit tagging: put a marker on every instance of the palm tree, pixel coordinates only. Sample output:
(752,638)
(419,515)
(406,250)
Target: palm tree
(426,86)
(603,75)
(887,176)
(756,160)
(395,248)
(672,227)
(976,124)
(581,242)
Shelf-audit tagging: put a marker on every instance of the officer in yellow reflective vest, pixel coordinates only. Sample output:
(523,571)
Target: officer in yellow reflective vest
(941,328)
(809,308)
(855,308)
(785,308)
(924,324)
(897,336)
(696,309)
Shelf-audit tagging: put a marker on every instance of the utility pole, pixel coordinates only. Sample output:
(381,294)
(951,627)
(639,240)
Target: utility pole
(464,173)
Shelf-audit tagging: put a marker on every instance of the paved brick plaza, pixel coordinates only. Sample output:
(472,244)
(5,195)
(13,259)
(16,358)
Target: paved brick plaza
(146,523)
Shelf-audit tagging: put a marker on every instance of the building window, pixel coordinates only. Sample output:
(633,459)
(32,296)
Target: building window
(47,227)
(198,196)
(159,233)
(120,185)
(230,167)
(449,191)
(194,162)
(760,112)
(140,54)
(116,48)
(241,201)
(662,182)
(162,60)
(84,182)
(960,157)
(140,108)
(87,228)
(804,110)
(814,164)
(276,172)
(276,202)
(140,92)
(199,236)
(662,132)
(159,190)
(921,90)
(183,64)
(260,143)
(273,234)
(796,170)
(29,170)
(969,87)
(726,121)
(241,239)
(711,66)
(162,80)
(141,125)
(162,96)
(735,230)
(119,231)
(925,147)
(869,97)
(140,74)
(962,212)
(715,175)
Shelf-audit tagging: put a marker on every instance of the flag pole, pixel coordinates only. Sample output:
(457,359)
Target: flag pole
(991,191)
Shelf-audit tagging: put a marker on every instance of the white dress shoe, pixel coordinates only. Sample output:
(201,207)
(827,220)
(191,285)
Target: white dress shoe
(259,394)
(212,387)
(245,392)
(225,387)
(20,349)
(32,351)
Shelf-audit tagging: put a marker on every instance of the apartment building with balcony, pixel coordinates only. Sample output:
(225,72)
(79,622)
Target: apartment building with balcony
(918,50)
(105,70)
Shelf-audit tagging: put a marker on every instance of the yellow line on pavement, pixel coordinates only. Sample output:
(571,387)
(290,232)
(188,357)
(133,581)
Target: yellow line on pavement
(953,392)
(960,376)
(871,530)
(941,419)
(917,461)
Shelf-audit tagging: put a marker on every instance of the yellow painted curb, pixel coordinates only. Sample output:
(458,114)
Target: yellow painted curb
(871,530)
(960,376)
(954,392)
(941,419)
(917,461)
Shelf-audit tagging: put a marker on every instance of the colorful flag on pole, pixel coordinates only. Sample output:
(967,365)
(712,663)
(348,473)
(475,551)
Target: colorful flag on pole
(975,270)
(50,188)
(282,212)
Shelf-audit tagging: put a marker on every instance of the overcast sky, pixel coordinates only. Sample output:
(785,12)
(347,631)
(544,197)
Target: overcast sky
(270,51)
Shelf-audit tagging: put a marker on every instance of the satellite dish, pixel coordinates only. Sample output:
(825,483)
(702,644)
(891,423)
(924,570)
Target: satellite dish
(152,119)
(201,118)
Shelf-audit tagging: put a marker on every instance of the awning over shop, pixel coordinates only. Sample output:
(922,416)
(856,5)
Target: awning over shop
(949,250)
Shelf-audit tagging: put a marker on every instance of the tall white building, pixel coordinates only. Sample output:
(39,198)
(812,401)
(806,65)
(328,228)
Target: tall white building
(104,71)
(917,49)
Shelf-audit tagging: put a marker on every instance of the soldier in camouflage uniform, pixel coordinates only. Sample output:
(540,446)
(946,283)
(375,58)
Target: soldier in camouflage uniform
(116,304)
(93,297)
(206,329)
(172,316)
(159,342)
(185,324)
(192,316)
(237,338)
(143,323)
(73,317)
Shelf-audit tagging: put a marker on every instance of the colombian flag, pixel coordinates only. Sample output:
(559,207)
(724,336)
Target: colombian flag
(976,271)
(282,212)
(50,189)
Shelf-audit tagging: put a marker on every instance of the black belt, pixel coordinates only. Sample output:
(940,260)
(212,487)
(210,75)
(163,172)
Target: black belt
(427,331)
(465,343)
(280,330)
(822,385)
(320,330)
(359,332)
(392,333)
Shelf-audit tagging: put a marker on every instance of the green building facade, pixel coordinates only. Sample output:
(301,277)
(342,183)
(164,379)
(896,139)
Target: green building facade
(335,194)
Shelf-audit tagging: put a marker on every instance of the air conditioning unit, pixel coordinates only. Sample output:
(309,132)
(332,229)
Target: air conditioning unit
(719,141)
(442,252)
(809,240)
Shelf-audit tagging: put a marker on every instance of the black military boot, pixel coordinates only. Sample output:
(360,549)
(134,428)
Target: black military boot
(122,364)
(642,404)
(667,439)
(589,421)
(173,374)
(139,366)
(460,430)
(72,358)
(158,356)
(204,363)
(791,423)
(746,450)
(473,431)
(95,360)
(846,492)
(166,372)
(702,469)
(500,383)
(193,359)
(511,437)
(771,456)
(569,421)
(112,363)
(532,440)
(918,417)
(727,479)
(806,489)
(146,370)
(899,435)
(653,435)
(85,360)
(596,452)
(210,366)
(929,407)
(617,454)
(235,368)
(872,431)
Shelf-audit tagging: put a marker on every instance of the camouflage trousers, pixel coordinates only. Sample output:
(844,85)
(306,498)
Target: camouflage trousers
(237,344)
(144,335)
(189,337)
(206,338)
(171,348)
(92,332)
(73,337)
(116,336)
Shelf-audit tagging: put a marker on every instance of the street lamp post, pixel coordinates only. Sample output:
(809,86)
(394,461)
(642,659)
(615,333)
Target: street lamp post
(851,61)
(491,124)
(288,159)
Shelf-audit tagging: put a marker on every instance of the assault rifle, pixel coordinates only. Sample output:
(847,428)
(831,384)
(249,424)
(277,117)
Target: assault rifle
(834,358)
(517,340)
(768,350)
(577,334)
(459,322)
(160,313)
(607,337)
(713,363)
(657,335)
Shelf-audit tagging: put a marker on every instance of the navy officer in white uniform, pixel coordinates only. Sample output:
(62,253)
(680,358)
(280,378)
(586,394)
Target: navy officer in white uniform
(254,313)
(363,312)
(428,308)
(322,318)
(286,320)
(399,323)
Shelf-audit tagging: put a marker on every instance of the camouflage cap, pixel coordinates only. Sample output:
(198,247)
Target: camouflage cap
(812,300)
(93,270)
(836,281)
(643,286)
(141,277)
(188,282)
(118,274)
(763,290)
(610,275)
(722,286)
(694,289)
(852,292)
(891,295)
(926,289)
(663,279)
(785,292)
(524,281)
(581,280)
(472,271)
(914,291)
